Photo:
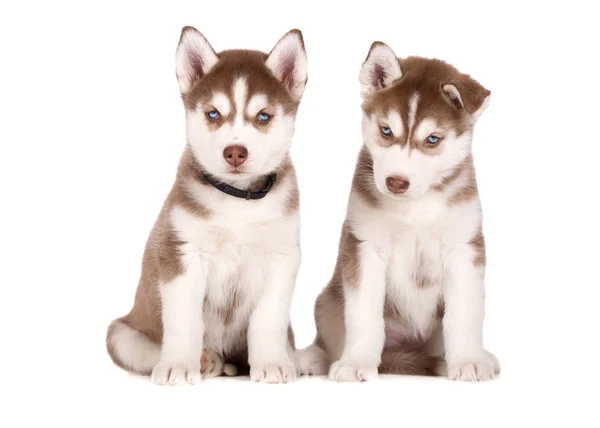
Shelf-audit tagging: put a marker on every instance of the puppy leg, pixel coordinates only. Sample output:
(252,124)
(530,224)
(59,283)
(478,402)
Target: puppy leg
(311,361)
(269,351)
(183,328)
(363,318)
(463,319)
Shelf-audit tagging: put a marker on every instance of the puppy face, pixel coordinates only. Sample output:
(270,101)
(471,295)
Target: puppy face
(418,118)
(240,105)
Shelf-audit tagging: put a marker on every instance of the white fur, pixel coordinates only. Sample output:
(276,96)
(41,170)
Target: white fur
(240,93)
(382,56)
(182,322)
(221,102)
(394,122)
(133,348)
(363,305)
(413,104)
(269,352)
(193,45)
(463,323)
(483,107)
(425,128)
(256,104)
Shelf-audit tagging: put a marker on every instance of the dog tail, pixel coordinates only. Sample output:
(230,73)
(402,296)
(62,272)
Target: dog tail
(311,361)
(417,363)
(130,349)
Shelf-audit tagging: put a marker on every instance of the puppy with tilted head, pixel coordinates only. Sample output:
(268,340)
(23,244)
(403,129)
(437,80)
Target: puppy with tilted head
(220,264)
(407,293)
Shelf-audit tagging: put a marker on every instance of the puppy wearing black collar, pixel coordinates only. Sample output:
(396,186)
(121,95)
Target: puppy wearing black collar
(220,264)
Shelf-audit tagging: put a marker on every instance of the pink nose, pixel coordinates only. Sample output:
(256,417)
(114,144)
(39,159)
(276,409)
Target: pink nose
(397,184)
(235,155)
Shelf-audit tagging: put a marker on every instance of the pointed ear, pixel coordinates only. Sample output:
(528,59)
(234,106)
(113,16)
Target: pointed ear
(287,61)
(465,93)
(194,58)
(380,69)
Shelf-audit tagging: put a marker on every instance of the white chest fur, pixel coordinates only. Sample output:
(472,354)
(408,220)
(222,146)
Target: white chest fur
(235,251)
(414,237)
(414,282)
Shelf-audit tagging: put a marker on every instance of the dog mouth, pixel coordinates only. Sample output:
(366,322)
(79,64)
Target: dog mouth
(236,171)
(396,196)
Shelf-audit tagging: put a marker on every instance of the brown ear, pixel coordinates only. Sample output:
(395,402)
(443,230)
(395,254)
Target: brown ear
(466,93)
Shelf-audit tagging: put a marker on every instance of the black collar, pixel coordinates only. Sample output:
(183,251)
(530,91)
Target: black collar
(239,193)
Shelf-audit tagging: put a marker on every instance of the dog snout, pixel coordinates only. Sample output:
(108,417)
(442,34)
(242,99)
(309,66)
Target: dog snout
(397,184)
(235,155)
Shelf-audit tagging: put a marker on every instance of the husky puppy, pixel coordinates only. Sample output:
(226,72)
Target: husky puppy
(220,264)
(407,293)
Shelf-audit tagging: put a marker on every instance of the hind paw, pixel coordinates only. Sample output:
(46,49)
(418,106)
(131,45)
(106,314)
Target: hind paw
(312,361)
(211,364)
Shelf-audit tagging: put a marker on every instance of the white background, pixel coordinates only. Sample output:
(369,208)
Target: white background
(91,129)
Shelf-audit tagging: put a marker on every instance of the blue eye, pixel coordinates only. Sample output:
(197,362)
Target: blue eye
(432,139)
(263,117)
(213,114)
(386,130)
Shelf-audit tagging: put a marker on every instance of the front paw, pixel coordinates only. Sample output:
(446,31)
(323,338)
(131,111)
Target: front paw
(273,372)
(347,371)
(176,373)
(480,368)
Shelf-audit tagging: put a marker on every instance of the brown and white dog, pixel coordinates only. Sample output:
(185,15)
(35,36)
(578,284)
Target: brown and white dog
(220,264)
(407,292)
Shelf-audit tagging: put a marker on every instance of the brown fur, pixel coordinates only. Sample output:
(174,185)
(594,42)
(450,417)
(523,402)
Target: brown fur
(451,178)
(469,190)
(292,204)
(416,363)
(232,65)
(422,272)
(349,257)
(427,77)
(441,309)
(391,312)
(331,297)
(228,311)
(119,323)
(478,245)
(363,182)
